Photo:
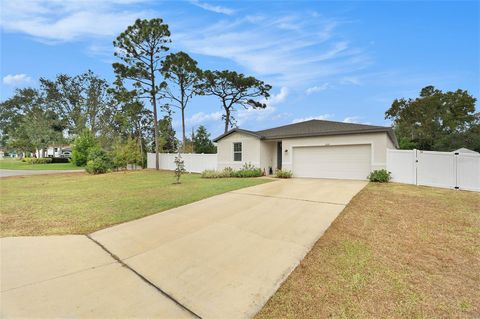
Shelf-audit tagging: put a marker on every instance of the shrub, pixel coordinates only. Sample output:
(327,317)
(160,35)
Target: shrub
(82,146)
(227,172)
(248,170)
(34,160)
(125,153)
(98,162)
(380,176)
(60,160)
(283,174)
(210,173)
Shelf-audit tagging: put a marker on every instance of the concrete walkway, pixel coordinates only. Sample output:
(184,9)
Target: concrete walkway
(27,172)
(221,257)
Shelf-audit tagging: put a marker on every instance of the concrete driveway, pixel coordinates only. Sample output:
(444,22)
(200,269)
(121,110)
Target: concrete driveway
(28,172)
(221,257)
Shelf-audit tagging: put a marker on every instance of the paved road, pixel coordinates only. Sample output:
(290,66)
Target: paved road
(221,257)
(26,172)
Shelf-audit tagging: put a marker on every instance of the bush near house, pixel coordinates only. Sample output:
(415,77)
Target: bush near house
(34,160)
(283,174)
(248,170)
(380,176)
(211,173)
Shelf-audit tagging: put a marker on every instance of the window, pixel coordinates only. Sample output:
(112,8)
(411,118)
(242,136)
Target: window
(237,152)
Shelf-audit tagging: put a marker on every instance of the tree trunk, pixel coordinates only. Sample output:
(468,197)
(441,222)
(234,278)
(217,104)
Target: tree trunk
(227,119)
(183,131)
(182,105)
(155,117)
(140,140)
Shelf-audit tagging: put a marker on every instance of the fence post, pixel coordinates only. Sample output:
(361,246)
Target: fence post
(415,166)
(455,168)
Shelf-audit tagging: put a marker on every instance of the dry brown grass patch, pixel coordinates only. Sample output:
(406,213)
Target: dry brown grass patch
(396,251)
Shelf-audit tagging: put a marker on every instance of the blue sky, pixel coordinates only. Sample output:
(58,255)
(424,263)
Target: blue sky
(343,61)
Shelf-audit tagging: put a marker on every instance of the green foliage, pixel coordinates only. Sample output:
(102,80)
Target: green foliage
(35,160)
(228,172)
(125,153)
(167,141)
(181,72)
(233,89)
(283,174)
(202,142)
(98,161)
(225,173)
(82,146)
(211,173)
(380,176)
(179,168)
(29,122)
(406,144)
(82,101)
(436,120)
(248,170)
(141,48)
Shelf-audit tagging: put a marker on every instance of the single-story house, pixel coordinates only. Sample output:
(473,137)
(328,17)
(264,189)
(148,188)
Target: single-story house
(55,151)
(316,148)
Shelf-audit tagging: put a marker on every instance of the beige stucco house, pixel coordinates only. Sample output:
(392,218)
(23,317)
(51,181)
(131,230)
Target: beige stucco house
(316,148)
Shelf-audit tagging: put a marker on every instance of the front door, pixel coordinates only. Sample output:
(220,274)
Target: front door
(279,155)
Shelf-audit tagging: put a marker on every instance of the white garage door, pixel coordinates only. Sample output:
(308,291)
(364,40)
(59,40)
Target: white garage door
(344,162)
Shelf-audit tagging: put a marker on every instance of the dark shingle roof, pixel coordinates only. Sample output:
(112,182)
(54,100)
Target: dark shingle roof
(314,128)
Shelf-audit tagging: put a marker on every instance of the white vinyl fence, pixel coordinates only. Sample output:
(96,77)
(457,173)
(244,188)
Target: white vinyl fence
(194,163)
(439,169)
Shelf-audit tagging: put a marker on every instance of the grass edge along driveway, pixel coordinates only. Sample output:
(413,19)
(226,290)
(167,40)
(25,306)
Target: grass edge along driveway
(82,203)
(396,251)
(17,164)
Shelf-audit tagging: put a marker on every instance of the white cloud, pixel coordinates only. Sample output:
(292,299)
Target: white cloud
(275,99)
(248,115)
(318,117)
(201,117)
(213,8)
(350,80)
(354,119)
(62,21)
(317,88)
(16,79)
(287,50)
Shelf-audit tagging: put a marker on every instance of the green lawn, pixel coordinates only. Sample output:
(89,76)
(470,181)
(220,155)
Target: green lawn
(82,203)
(17,164)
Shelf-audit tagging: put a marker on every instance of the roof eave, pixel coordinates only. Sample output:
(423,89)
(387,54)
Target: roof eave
(236,130)
(331,133)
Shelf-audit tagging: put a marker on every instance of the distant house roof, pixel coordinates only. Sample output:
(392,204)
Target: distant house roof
(465,150)
(314,128)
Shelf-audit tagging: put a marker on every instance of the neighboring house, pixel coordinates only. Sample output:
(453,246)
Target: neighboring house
(464,150)
(316,148)
(55,151)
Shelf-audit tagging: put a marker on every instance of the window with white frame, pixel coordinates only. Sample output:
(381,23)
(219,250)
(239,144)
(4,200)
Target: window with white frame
(237,152)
